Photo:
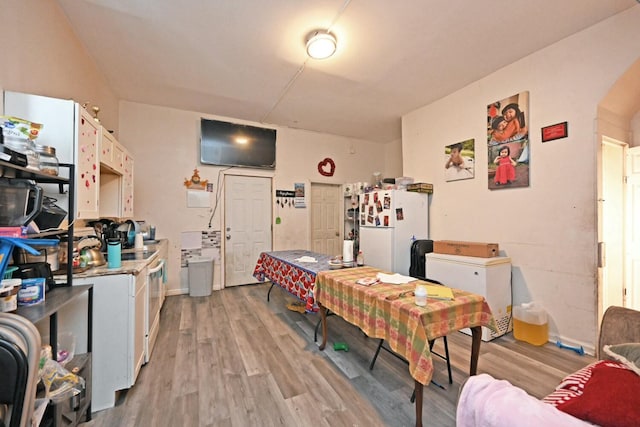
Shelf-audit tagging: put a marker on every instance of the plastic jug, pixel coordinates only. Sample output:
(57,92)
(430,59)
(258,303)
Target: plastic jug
(530,323)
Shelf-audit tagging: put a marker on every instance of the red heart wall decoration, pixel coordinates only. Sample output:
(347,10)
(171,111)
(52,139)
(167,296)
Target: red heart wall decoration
(327,167)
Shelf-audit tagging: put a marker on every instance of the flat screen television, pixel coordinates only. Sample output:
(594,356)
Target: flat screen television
(232,144)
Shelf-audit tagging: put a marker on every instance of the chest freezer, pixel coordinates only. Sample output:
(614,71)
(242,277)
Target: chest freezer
(489,277)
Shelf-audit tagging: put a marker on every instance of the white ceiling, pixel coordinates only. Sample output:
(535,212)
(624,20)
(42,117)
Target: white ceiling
(246,59)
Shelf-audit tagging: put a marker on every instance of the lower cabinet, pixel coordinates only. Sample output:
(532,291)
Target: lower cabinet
(118,334)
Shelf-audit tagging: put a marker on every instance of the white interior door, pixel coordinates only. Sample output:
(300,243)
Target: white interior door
(326,216)
(247,226)
(612,223)
(633,229)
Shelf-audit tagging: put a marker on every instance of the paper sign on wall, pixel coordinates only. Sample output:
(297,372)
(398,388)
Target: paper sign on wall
(198,199)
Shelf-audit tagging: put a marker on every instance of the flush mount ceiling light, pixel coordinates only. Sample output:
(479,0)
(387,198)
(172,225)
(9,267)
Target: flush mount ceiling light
(321,44)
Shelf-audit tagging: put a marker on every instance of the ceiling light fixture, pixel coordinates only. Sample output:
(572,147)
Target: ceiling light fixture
(321,44)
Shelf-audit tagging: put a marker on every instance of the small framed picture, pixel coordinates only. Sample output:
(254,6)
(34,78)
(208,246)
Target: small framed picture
(557,131)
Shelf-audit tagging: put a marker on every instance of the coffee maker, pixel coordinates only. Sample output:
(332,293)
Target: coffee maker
(108,230)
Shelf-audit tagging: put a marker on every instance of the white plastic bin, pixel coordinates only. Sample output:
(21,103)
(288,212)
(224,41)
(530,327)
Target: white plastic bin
(530,323)
(200,271)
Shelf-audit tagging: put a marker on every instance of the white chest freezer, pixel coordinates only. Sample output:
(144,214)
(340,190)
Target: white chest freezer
(489,277)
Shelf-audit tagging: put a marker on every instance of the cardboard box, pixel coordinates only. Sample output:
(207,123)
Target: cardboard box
(420,187)
(477,249)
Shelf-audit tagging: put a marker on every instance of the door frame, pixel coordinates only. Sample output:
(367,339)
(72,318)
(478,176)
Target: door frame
(632,299)
(601,248)
(220,203)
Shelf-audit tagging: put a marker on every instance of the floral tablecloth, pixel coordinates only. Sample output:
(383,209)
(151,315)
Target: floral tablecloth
(298,278)
(388,311)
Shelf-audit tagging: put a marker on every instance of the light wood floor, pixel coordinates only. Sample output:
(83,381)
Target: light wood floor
(234,359)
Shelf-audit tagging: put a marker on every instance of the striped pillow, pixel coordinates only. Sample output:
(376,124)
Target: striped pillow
(573,385)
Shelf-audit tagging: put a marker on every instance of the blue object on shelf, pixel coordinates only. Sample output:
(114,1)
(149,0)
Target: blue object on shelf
(8,243)
(8,273)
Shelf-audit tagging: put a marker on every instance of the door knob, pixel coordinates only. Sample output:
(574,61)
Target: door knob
(228,236)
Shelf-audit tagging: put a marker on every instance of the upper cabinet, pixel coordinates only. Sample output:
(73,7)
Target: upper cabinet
(127,197)
(104,168)
(107,145)
(111,153)
(116,178)
(87,166)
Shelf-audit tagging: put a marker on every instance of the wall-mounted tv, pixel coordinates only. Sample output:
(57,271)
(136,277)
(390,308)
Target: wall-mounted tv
(232,144)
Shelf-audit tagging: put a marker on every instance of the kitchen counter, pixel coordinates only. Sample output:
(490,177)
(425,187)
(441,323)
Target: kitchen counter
(143,257)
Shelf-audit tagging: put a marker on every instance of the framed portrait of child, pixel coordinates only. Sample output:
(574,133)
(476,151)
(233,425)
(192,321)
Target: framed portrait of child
(508,142)
(460,160)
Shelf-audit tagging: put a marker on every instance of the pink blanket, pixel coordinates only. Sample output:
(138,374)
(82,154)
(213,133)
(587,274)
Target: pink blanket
(488,402)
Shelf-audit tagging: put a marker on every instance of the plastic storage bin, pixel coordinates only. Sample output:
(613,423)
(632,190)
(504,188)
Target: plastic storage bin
(530,324)
(200,270)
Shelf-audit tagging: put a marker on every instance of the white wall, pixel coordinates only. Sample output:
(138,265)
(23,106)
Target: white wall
(548,228)
(165,145)
(41,55)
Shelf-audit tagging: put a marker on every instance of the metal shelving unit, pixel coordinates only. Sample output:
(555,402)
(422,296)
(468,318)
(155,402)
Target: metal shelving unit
(62,294)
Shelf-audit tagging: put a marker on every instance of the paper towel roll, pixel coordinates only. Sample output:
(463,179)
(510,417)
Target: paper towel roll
(347,251)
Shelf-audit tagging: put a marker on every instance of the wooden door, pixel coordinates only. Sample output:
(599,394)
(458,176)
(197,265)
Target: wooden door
(247,222)
(612,223)
(633,229)
(327,204)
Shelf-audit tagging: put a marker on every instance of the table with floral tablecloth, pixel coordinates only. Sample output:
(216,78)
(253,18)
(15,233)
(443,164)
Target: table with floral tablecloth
(284,269)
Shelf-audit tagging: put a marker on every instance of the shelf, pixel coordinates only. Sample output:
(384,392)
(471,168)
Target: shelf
(71,411)
(47,233)
(55,299)
(9,170)
(58,297)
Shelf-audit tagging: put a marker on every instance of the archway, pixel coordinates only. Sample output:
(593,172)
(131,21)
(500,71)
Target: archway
(618,120)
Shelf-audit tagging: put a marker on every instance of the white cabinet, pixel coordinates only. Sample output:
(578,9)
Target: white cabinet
(489,277)
(87,166)
(118,158)
(118,334)
(111,152)
(127,188)
(107,145)
(116,178)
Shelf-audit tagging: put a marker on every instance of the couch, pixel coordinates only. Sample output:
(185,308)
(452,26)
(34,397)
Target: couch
(605,393)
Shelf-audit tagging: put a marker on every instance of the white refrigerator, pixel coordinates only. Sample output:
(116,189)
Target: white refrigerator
(390,220)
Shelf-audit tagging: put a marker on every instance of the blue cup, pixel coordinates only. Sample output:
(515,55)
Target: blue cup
(114,251)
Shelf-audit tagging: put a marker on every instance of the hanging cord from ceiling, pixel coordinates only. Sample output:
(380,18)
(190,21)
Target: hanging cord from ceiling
(302,67)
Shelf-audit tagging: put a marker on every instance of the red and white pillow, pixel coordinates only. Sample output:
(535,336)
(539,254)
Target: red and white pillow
(606,393)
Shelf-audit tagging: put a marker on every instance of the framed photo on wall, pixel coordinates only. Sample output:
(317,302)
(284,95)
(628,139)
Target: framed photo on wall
(508,142)
(460,160)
